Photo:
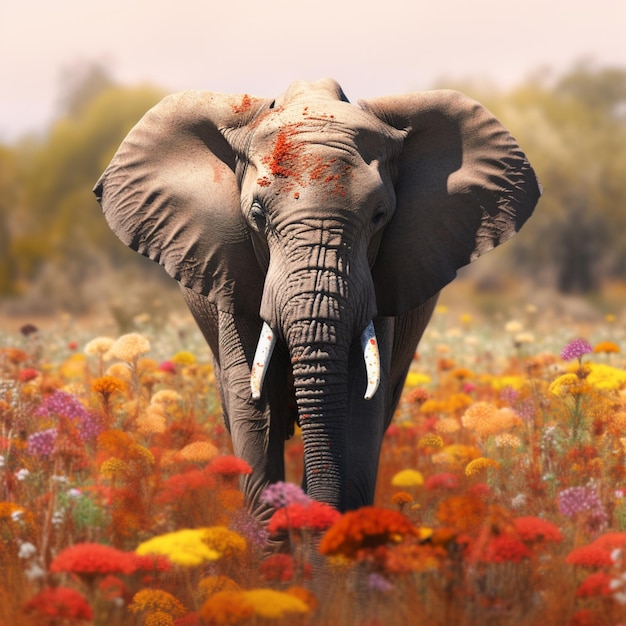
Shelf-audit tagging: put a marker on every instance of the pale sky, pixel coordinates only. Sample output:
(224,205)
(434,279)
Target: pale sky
(372,47)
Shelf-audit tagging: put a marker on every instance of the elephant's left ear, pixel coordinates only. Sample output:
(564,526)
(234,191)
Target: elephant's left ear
(463,187)
(171,193)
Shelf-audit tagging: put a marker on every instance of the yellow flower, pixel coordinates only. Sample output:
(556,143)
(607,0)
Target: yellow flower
(98,346)
(129,347)
(456,454)
(186,547)
(271,604)
(156,600)
(184,358)
(407,478)
(430,440)
(223,540)
(606,378)
(499,383)
(567,385)
(114,467)
(416,379)
(478,465)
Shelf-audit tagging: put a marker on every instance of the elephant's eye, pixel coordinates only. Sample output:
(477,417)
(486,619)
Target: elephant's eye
(378,217)
(258,217)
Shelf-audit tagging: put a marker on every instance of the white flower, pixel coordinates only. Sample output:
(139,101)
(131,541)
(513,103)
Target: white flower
(21,474)
(1,461)
(60,479)
(16,515)
(57,518)
(74,493)
(34,572)
(26,550)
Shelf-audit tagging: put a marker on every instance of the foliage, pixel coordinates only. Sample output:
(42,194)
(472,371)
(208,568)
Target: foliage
(55,245)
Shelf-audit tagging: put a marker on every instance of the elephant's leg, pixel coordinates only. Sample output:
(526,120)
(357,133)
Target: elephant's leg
(408,330)
(258,429)
(368,419)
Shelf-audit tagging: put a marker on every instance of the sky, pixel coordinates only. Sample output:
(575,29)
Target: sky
(372,47)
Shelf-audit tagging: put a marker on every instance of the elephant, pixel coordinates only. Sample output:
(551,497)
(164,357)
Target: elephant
(311,237)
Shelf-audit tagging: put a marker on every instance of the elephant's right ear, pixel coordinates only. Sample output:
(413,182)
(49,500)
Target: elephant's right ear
(171,194)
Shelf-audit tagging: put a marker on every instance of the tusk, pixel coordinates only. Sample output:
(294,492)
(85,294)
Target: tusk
(372,360)
(262,356)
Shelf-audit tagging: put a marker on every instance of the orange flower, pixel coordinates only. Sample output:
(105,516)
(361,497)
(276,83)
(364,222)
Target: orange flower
(462,512)
(367,527)
(226,607)
(106,386)
(607,347)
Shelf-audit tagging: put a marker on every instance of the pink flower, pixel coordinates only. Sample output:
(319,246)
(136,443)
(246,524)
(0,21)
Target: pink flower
(576,349)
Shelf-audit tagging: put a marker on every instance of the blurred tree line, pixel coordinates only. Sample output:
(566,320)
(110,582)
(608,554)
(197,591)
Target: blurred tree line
(56,250)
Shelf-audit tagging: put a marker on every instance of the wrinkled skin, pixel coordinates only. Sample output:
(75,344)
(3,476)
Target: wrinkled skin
(317,217)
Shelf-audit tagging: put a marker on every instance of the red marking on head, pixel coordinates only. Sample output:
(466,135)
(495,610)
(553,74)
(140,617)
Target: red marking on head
(373,341)
(244,105)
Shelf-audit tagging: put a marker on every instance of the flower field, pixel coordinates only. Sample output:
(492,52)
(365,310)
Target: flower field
(501,495)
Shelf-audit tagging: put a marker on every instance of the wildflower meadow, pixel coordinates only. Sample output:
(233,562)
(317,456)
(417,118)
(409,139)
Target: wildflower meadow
(501,495)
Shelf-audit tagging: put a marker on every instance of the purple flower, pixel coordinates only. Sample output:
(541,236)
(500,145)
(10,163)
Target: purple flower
(62,403)
(42,442)
(282,494)
(249,527)
(575,500)
(576,349)
(376,582)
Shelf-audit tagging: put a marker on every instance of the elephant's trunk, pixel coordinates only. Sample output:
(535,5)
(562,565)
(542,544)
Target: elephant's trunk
(320,373)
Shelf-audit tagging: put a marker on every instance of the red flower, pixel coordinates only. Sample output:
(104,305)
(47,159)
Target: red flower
(295,516)
(610,541)
(92,559)
(534,529)
(151,563)
(596,584)
(589,556)
(504,548)
(279,568)
(177,487)
(228,466)
(28,374)
(59,603)
(442,480)
(168,366)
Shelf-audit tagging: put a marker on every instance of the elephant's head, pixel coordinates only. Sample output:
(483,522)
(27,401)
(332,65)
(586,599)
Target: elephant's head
(316,216)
